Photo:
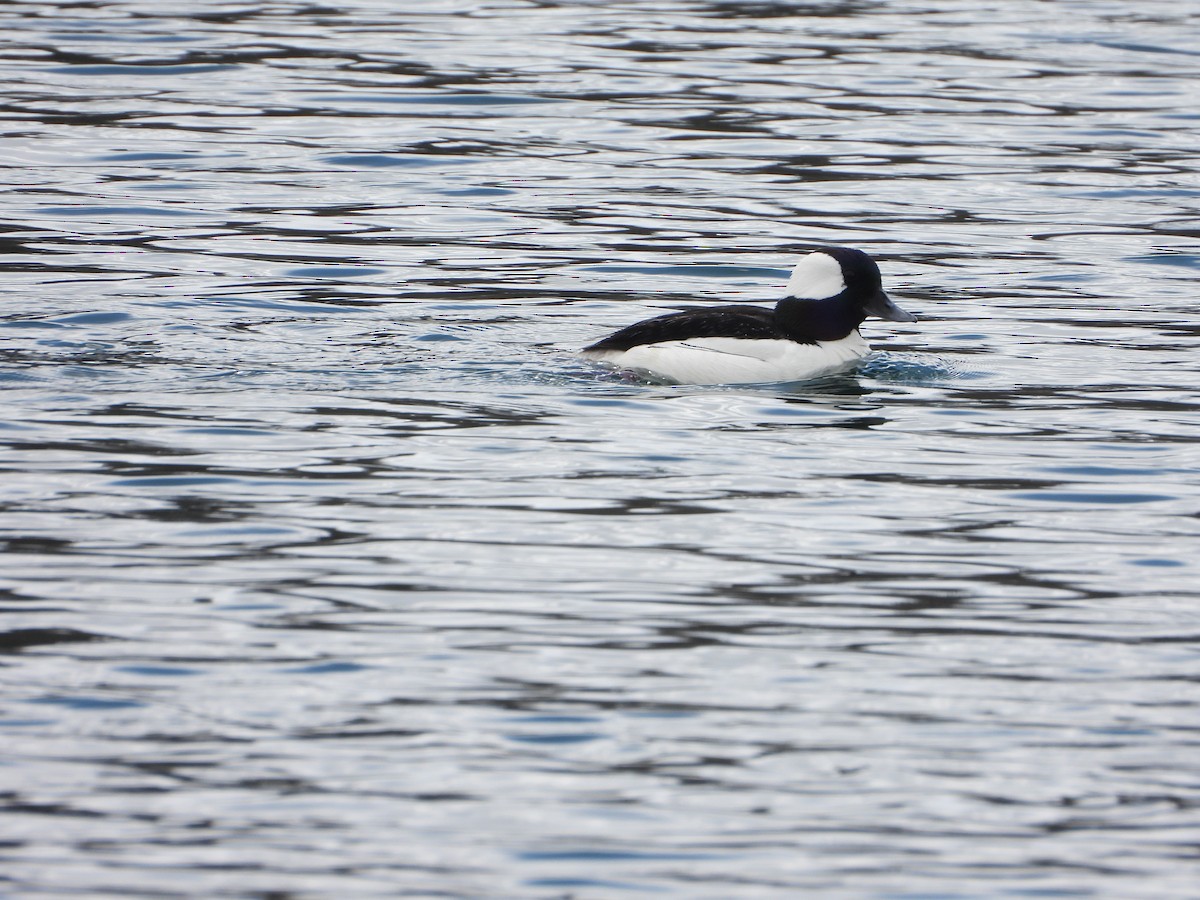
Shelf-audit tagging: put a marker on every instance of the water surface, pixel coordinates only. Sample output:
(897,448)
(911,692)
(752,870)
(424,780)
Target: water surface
(329,571)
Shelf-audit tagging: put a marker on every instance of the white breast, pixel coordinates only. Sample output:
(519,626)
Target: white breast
(737,360)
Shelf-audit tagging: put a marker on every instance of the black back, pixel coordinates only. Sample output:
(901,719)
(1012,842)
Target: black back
(750,322)
(802,321)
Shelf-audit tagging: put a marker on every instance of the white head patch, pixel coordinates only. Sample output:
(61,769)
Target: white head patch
(817,276)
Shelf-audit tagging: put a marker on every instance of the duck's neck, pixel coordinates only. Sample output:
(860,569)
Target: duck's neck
(830,319)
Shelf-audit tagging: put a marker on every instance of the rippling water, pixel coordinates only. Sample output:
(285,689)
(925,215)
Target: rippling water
(329,571)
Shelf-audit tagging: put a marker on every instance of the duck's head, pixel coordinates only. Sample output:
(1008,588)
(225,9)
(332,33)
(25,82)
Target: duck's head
(848,275)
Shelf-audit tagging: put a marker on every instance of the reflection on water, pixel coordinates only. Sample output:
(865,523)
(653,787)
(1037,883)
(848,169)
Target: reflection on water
(328,570)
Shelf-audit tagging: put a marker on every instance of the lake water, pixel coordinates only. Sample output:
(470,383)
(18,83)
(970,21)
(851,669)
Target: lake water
(329,571)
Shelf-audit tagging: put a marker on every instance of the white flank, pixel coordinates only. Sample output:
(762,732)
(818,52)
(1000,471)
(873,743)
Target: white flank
(817,276)
(718,360)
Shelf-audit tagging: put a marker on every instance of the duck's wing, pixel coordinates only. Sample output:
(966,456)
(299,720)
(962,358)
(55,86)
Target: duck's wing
(743,322)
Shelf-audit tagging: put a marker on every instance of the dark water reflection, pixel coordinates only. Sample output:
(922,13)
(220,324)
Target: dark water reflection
(328,571)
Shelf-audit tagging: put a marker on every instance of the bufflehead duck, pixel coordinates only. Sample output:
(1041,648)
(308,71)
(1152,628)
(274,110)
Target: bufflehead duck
(812,331)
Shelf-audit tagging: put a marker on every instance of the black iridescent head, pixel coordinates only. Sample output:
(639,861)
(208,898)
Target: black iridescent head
(847,275)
